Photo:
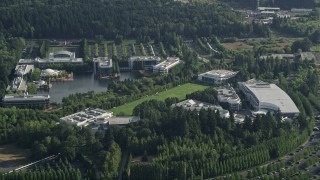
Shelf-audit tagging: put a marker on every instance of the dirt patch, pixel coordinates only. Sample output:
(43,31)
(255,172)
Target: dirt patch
(138,159)
(12,157)
(239,45)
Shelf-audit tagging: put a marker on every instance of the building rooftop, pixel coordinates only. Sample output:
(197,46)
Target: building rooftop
(191,104)
(18,84)
(123,120)
(26,61)
(23,69)
(104,62)
(49,72)
(25,97)
(307,56)
(62,54)
(227,94)
(144,58)
(88,116)
(271,94)
(279,56)
(58,60)
(220,73)
(168,63)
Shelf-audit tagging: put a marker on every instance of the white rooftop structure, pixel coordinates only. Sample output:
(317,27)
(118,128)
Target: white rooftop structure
(18,84)
(228,95)
(265,96)
(166,65)
(104,62)
(49,72)
(24,69)
(279,56)
(26,61)
(217,76)
(268,8)
(192,105)
(88,116)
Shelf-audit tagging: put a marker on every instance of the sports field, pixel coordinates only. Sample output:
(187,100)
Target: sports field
(180,92)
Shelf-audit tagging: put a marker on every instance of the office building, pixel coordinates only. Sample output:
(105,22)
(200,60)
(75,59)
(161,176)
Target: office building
(146,61)
(166,65)
(102,66)
(24,69)
(263,96)
(192,105)
(227,95)
(217,76)
(26,101)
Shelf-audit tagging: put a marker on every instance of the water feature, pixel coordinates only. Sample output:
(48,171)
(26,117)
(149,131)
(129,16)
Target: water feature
(82,83)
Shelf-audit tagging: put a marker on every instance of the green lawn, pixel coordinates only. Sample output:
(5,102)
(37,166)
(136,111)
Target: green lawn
(180,92)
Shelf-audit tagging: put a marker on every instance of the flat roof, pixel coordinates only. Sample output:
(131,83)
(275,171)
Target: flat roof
(17,98)
(104,62)
(228,94)
(123,120)
(22,69)
(168,63)
(221,73)
(144,58)
(89,115)
(191,104)
(271,93)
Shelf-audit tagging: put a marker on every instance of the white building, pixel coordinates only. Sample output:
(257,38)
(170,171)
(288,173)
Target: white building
(88,116)
(228,95)
(147,61)
(102,66)
(50,73)
(24,69)
(26,100)
(192,105)
(166,65)
(217,76)
(263,96)
(275,9)
(60,57)
(18,84)
(279,56)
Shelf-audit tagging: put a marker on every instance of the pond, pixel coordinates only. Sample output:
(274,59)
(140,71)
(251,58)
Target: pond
(82,83)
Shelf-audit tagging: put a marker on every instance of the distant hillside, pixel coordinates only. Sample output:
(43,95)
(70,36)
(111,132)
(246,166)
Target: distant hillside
(129,18)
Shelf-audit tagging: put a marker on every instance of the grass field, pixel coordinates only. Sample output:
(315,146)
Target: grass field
(180,92)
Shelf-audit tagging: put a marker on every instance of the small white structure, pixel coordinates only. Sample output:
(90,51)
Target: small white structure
(192,105)
(263,96)
(275,9)
(50,73)
(217,76)
(228,95)
(166,65)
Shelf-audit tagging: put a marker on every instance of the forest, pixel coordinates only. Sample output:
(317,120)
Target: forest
(114,18)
